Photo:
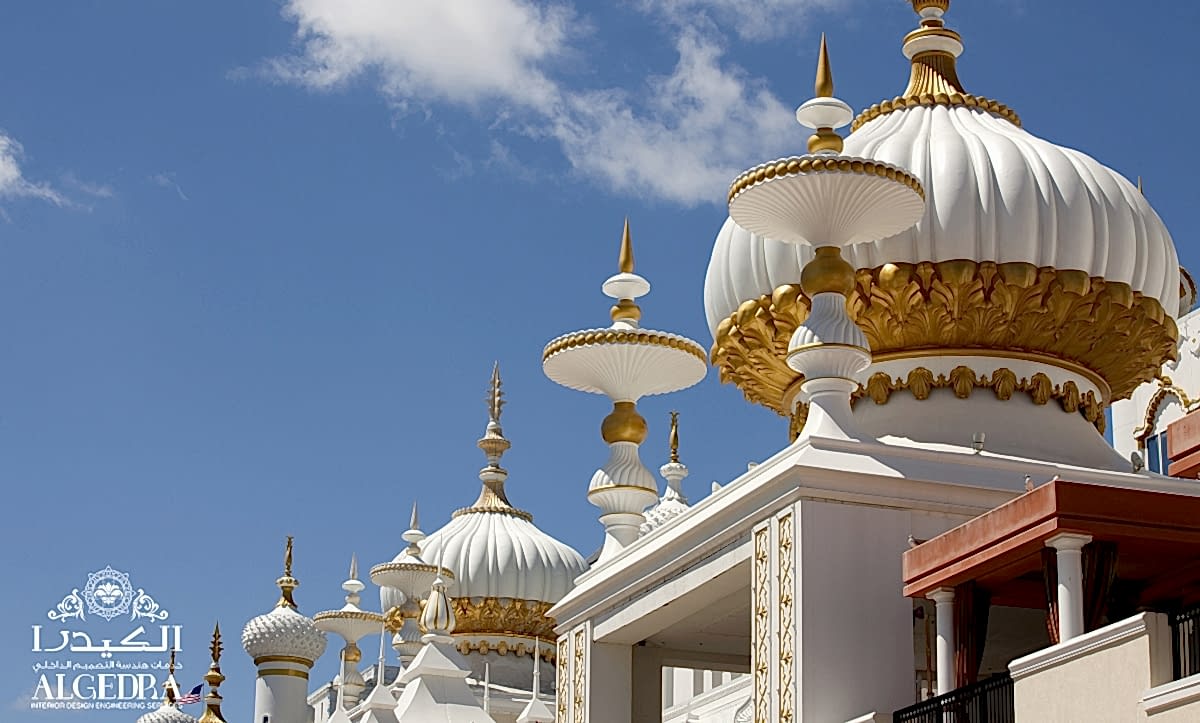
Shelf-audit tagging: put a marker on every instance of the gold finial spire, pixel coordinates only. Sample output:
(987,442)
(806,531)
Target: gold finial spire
(1141,190)
(287,583)
(626,309)
(674,436)
(214,678)
(169,683)
(625,260)
(825,139)
(824,84)
(495,395)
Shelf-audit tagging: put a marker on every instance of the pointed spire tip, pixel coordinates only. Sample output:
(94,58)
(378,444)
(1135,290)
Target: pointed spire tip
(625,260)
(823,87)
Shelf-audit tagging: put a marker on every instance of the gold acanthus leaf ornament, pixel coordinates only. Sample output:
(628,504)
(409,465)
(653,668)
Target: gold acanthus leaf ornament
(489,615)
(1064,317)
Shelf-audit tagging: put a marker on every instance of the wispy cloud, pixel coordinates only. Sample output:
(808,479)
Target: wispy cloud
(166,179)
(14,184)
(680,136)
(87,188)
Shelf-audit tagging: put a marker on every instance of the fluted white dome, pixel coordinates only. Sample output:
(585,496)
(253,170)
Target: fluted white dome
(994,192)
(500,554)
(283,632)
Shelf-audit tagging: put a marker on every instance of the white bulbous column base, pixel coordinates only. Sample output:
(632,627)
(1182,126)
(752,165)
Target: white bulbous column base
(620,531)
(829,413)
(622,489)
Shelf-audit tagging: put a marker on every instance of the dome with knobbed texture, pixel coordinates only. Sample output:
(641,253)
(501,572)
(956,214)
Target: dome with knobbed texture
(166,713)
(283,632)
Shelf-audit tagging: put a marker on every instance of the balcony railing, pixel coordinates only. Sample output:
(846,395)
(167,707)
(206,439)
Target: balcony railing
(1185,642)
(988,701)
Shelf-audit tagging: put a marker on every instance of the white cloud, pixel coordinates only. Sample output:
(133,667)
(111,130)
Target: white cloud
(752,19)
(13,183)
(680,137)
(167,179)
(461,51)
(699,127)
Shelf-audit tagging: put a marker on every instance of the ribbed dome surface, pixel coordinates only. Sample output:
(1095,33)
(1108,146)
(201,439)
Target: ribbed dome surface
(283,631)
(994,192)
(503,555)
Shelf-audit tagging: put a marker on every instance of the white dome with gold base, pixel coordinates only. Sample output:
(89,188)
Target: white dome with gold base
(1036,274)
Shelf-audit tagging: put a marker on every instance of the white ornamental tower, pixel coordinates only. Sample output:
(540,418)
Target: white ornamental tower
(673,503)
(284,645)
(352,623)
(826,200)
(625,363)
(403,584)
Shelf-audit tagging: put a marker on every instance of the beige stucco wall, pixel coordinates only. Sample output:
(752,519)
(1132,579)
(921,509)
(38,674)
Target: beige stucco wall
(1099,677)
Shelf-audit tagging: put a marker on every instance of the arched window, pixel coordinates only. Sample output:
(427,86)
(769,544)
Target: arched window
(1165,407)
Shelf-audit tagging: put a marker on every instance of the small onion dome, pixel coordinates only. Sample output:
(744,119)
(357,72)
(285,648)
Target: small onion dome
(284,631)
(493,548)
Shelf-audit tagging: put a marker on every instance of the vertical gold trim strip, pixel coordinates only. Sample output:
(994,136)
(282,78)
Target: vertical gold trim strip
(787,607)
(563,679)
(578,680)
(761,652)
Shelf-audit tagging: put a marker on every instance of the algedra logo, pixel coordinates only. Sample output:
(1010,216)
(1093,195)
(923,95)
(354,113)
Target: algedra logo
(107,648)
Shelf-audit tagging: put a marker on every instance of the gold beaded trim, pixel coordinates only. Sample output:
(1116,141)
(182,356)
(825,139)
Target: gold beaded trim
(405,566)
(931,99)
(800,165)
(348,615)
(623,336)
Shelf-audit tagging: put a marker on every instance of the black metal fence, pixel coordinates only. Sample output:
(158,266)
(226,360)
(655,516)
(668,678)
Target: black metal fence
(988,701)
(1185,642)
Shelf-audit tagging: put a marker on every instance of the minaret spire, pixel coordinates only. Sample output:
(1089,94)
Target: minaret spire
(494,444)
(625,259)
(287,583)
(823,87)
(214,678)
(675,436)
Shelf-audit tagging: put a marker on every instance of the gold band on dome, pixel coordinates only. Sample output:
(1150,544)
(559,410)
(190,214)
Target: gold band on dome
(929,99)
(623,336)
(269,672)
(283,659)
(505,647)
(1019,310)
(799,165)
(510,511)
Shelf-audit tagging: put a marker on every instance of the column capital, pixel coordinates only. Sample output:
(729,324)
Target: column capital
(1068,541)
(941,595)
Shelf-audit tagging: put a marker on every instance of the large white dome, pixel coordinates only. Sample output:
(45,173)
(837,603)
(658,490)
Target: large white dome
(499,553)
(994,192)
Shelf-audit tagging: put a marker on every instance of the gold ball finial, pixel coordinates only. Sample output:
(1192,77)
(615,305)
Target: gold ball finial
(823,87)
(624,424)
(828,271)
(919,5)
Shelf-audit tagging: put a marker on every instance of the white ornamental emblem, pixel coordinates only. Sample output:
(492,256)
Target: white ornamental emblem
(108,593)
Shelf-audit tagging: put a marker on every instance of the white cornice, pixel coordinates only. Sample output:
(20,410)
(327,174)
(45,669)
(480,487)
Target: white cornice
(1080,646)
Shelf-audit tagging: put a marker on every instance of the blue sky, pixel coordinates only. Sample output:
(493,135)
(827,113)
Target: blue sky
(257,257)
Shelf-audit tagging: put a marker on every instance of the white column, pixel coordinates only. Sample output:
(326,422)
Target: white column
(281,692)
(943,597)
(1068,548)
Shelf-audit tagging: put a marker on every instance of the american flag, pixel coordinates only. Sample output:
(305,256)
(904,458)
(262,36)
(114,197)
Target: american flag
(192,697)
